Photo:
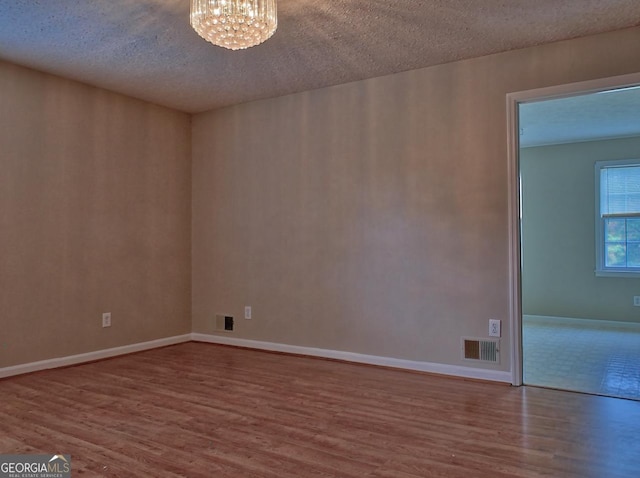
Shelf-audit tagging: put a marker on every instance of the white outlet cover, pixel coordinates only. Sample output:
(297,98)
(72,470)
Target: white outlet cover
(106,319)
(494,328)
(247,312)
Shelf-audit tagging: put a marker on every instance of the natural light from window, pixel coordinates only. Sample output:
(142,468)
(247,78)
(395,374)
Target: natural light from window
(618,217)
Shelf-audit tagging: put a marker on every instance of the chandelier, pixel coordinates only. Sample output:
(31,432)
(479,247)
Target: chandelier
(234,24)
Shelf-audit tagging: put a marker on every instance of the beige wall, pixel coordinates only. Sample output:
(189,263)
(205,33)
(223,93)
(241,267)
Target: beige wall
(371,217)
(558,234)
(94,217)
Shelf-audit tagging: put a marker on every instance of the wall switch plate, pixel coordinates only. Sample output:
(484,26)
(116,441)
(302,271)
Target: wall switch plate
(106,319)
(636,300)
(247,312)
(494,328)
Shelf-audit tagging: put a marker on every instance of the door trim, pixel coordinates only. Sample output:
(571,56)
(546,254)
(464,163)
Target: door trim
(513,170)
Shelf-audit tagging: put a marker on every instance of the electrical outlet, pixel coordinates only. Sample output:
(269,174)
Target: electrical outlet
(106,319)
(494,328)
(636,300)
(247,312)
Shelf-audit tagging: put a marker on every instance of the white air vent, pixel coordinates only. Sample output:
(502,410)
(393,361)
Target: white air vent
(481,350)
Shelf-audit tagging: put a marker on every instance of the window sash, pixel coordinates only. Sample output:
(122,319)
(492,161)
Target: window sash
(617,198)
(621,215)
(622,243)
(620,189)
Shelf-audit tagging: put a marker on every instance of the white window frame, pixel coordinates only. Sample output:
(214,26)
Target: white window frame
(601,269)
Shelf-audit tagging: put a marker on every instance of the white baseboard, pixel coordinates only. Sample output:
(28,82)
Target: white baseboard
(443,369)
(577,322)
(91,356)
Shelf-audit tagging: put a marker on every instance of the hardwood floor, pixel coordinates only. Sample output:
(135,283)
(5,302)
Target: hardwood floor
(202,410)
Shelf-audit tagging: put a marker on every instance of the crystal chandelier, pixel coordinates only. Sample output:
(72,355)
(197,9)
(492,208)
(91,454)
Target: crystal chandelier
(234,24)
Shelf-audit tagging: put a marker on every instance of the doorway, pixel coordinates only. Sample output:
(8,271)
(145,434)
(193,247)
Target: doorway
(575,328)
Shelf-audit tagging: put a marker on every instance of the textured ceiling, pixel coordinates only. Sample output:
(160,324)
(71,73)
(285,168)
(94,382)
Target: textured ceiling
(147,49)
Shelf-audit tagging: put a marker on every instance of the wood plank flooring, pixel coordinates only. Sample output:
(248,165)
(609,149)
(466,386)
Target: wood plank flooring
(202,410)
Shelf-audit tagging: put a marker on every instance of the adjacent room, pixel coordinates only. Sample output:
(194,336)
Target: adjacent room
(249,238)
(581,321)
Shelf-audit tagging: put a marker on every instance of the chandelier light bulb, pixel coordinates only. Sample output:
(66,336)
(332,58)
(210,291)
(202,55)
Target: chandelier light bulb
(234,24)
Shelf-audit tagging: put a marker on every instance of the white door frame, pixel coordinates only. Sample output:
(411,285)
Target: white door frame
(513,169)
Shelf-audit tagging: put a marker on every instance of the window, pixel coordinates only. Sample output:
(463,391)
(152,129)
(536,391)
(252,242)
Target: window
(618,218)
